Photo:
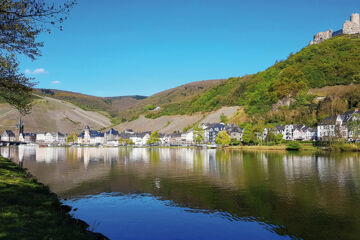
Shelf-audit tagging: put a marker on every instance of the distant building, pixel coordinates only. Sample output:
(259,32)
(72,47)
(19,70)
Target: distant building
(40,137)
(140,139)
(211,131)
(8,136)
(55,138)
(111,136)
(234,131)
(91,137)
(27,137)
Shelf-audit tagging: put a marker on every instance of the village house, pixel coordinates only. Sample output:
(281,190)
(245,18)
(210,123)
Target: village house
(8,136)
(27,137)
(310,134)
(55,138)
(337,126)
(279,130)
(111,137)
(211,131)
(40,137)
(234,131)
(175,139)
(91,137)
(140,139)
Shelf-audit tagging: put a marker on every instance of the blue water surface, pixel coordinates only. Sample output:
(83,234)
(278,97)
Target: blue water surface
(147,217)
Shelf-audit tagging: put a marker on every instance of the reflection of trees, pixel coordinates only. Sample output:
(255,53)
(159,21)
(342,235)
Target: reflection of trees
(154,155)
(301,195)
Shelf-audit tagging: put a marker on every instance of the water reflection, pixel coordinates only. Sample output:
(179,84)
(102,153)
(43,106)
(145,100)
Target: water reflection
(305,196)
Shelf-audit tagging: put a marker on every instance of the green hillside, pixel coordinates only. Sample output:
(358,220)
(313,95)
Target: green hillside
(333,62)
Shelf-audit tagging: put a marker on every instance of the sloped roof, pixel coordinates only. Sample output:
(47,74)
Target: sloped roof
(9,133)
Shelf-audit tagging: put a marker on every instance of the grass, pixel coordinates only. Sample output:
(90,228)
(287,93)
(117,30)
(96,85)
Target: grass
(30,211)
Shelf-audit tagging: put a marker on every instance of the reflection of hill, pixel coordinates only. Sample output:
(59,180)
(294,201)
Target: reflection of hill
(310,197)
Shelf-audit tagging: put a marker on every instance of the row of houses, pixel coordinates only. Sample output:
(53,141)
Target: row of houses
(46,138)
(334,126)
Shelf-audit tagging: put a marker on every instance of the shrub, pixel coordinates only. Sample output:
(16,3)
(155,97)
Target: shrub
(293,146)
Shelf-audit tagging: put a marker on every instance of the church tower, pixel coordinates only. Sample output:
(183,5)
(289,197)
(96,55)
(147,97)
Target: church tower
(19,128)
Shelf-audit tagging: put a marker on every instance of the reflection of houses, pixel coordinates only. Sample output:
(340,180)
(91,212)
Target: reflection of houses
(8,136)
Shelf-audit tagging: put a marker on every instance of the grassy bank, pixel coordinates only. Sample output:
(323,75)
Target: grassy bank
(30,211)
(281,147)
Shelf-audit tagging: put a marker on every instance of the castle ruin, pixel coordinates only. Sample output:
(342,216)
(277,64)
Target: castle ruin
(349,27)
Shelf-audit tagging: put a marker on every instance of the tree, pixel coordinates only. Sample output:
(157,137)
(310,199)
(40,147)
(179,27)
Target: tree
(223,118)
(290,82)
(223,138)
(71,138)
(198,134)
(126,141)
(247,135)
(154,138)
(21,21)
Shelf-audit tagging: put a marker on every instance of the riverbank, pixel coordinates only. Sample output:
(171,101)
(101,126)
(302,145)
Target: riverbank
(281,147)
(30,211)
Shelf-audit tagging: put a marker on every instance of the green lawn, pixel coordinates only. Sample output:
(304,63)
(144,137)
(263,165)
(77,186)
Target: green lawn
(28,210)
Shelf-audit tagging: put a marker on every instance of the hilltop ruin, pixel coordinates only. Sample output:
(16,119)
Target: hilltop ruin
(349,27)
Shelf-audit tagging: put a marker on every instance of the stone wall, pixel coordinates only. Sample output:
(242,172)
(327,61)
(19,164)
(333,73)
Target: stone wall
(352,26)
(322,36)
(349,27)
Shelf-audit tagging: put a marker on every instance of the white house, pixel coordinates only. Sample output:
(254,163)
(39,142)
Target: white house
(55,137)
(8,136)
(140,139)
(91,137)
(40,137)
(27,137)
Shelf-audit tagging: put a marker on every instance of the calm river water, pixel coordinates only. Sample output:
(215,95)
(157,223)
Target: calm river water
(188,194)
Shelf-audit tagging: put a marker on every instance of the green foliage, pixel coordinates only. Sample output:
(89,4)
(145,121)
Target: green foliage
(223,118)
(330,63)
(234,142)
(223,138)
(31,207)
(126,141)
(198,134)
(293,146)
(72,138)
(21,24)
(150,107)
(154,138)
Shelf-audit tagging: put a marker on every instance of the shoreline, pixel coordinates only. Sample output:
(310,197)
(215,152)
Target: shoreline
(347,147)
(31,211)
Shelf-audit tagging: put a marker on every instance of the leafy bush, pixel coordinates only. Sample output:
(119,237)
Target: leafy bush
(293,146)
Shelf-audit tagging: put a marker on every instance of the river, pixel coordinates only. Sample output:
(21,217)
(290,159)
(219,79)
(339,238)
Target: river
(140,193)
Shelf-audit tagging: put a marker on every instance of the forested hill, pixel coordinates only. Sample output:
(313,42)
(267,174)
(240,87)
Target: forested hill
(281,92)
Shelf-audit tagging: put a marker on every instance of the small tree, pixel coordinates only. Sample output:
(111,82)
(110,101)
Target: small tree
(126,141)
(154,138)
(71,138)
(198,134)
(223,118)
(223,138)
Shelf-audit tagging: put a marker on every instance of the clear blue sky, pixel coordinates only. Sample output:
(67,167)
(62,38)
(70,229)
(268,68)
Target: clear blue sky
(118,47)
